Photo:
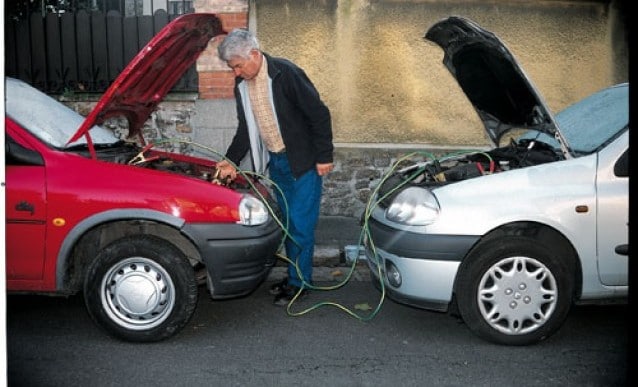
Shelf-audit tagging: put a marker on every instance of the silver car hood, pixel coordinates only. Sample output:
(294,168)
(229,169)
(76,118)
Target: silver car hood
(491,78)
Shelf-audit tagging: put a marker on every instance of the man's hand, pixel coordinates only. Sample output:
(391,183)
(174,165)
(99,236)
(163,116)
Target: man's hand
(226,170)
(324,169)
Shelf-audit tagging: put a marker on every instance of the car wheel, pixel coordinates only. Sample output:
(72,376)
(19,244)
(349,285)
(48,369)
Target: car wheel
(141,289)
(514,291)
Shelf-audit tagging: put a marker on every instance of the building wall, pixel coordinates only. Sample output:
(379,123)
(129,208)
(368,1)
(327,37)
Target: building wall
(388,91)
(386,84)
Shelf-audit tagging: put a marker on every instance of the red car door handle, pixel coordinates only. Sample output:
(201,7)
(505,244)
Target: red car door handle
(24,206)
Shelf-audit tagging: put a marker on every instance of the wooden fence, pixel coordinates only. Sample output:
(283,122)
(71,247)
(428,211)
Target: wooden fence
(80,52)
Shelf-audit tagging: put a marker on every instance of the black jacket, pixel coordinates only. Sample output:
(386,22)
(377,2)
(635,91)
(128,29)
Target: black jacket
(304,120)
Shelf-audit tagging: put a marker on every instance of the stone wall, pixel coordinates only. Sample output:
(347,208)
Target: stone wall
(358,167)
(358,171)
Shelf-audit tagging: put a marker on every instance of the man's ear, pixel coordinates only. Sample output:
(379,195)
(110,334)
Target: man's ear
(254,54)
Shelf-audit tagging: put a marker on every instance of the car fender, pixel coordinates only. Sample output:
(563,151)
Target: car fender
(476,206)
(73,236)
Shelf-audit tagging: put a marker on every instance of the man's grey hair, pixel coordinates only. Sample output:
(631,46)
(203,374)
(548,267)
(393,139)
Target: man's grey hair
(238,43)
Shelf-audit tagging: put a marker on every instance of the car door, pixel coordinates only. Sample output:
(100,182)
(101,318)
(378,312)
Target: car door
(25,214)
(612,186)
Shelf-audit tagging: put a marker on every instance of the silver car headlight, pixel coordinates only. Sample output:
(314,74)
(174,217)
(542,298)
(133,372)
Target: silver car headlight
(252,211)
(414,206)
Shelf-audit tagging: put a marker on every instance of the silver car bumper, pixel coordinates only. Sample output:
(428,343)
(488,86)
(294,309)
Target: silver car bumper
(425,279)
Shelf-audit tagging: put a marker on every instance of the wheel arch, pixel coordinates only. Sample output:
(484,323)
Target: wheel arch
(541,232)
(96,232)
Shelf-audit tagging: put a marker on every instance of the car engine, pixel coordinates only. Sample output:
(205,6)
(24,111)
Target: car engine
(462,166)
(132,154)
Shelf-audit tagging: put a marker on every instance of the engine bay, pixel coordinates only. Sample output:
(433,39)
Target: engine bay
(467,165)
(147,157)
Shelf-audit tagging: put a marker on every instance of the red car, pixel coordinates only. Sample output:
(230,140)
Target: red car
(119,220)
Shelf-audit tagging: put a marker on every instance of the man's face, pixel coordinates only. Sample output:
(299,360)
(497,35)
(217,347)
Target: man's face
(246,68)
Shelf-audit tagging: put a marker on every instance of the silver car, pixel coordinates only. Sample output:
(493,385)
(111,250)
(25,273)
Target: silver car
(509,238)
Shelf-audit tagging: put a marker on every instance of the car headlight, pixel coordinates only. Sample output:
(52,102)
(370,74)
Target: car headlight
(252,211)
(414,207)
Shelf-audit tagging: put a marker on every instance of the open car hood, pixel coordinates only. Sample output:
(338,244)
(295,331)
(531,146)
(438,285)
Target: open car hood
(146,80)
(491,78)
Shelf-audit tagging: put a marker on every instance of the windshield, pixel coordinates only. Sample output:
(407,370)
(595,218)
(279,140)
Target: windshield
(594,121)
(46,118)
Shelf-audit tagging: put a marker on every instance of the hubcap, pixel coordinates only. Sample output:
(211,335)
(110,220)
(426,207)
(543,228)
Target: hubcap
(138,293)
(517,295)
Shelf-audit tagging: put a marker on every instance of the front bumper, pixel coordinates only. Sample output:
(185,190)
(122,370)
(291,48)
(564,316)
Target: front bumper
(238,258)
(427,264)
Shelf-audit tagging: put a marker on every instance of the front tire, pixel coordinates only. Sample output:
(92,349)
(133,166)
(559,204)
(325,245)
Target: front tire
(140,289)
(514,290)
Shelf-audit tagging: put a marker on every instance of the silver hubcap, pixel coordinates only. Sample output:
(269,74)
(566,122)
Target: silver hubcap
(138,293)
(517,295)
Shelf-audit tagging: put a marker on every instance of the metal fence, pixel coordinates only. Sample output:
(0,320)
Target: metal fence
(78,51)
(21,8)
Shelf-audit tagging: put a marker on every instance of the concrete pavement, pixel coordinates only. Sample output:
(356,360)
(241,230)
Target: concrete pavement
(332,235)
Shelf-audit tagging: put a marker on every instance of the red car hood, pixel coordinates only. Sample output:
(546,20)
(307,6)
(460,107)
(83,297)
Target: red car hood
(146,80)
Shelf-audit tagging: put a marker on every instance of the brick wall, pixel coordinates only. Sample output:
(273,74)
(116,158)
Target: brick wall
(216,81)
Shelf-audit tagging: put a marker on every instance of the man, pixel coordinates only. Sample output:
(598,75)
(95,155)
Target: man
(288,130)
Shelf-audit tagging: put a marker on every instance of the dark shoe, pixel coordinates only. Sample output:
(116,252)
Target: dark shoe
(288,294)
(279,287)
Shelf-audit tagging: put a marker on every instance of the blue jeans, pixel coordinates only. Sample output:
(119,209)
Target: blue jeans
(302,200)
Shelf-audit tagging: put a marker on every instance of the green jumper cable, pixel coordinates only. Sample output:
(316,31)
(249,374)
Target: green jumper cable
(364,235)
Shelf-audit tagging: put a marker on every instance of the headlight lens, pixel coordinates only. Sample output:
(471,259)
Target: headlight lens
(252,211)
(414,207)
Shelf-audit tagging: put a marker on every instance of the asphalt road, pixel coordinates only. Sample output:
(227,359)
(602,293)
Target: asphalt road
(249,342)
